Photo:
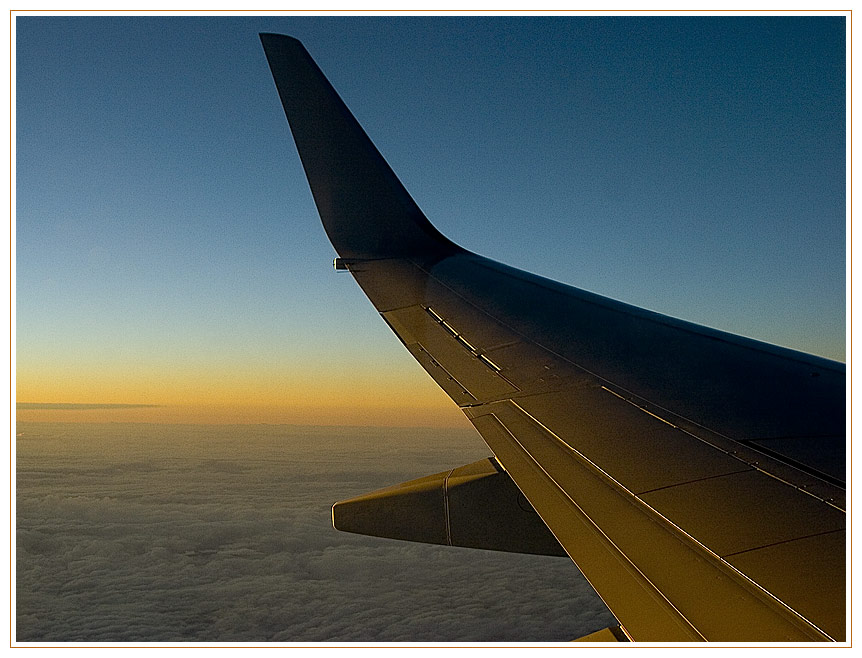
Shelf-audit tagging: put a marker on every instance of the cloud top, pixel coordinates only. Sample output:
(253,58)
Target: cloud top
(139,533)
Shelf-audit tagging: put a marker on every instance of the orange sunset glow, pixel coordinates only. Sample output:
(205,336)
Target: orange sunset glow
(392,398)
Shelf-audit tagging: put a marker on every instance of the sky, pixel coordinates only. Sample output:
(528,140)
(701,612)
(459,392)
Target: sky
(171,266)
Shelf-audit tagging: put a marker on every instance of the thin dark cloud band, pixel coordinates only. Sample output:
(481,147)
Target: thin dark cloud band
(73,406)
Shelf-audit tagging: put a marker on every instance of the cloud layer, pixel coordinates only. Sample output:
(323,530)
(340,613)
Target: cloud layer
(206,533)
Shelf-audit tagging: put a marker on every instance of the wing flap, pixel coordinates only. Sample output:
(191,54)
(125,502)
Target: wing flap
(807,571)
(625,549)
(644,611)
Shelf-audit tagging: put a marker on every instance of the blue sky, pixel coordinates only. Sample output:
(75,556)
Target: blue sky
(692,166)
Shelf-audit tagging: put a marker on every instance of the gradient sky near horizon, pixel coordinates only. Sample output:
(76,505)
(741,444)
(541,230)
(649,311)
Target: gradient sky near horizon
(171,266)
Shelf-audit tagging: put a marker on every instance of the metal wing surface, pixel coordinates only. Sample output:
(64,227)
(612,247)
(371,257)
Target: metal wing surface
(696,478)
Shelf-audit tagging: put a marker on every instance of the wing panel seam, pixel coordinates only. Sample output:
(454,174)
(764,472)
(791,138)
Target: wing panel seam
(678,529)
(784,541)
(702,479)
(751,463)
(653,588)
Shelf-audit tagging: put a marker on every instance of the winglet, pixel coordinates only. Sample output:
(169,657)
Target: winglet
(365,209)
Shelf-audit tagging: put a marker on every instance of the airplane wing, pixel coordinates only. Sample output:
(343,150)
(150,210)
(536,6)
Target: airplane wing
(696,478)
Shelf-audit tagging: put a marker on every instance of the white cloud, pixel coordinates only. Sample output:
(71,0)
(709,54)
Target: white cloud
(215,535)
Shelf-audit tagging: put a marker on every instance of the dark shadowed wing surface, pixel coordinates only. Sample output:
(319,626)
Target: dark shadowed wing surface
(696,478)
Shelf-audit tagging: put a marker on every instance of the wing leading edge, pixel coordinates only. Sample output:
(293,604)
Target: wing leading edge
(695,477)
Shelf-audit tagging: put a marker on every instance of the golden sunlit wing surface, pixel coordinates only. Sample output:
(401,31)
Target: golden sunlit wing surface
(696,478)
